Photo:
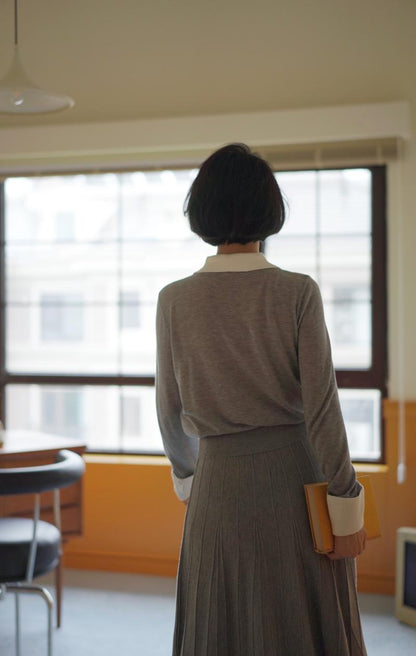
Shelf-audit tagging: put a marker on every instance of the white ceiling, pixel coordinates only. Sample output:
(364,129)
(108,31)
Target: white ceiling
(130,59)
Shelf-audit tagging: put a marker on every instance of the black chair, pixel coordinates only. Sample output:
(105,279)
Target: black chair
(31,547)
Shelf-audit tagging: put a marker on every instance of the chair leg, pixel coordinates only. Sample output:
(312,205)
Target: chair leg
(58,592)
(43,592)
(17,620)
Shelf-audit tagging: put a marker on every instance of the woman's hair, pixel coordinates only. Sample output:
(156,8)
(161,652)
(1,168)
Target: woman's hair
(234,198)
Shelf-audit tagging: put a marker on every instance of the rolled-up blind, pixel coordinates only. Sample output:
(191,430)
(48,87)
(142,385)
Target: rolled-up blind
(332,154)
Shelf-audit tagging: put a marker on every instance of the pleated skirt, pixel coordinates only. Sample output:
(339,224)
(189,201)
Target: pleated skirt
(249,582)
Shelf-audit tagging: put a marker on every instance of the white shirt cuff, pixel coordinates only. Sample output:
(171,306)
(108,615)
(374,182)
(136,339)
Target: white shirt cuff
(182,486)
(346,513)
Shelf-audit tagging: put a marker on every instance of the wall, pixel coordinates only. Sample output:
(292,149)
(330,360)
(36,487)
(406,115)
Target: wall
(395,503)
(133,521)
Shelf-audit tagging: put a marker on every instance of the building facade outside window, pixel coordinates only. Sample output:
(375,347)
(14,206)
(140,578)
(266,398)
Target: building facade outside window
(61,413)
(84,256)
(62,317)
(129,310)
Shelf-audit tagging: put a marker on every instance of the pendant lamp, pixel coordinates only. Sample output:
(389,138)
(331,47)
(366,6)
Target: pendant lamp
(19,95)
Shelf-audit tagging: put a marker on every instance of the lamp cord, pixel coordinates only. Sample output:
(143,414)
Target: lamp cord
(15,22)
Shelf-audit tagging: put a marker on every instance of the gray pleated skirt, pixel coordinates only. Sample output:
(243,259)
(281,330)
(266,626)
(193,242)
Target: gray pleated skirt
(249,582)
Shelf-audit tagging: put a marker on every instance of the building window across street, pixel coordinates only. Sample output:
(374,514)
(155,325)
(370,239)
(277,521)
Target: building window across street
(83,258)
(62,317)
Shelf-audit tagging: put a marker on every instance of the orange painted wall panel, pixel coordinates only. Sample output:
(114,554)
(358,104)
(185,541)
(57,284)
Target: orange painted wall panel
(130,512)
(396,503)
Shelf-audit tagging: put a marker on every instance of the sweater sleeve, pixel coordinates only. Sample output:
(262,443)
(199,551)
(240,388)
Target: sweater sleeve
(181,449)
(323,417)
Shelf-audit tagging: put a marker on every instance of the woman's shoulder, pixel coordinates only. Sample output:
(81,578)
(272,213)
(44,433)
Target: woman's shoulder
(174,289)
(294,280)
(291,283)
(298,290)
(293,277)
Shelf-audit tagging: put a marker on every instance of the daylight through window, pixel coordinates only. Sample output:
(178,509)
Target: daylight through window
(84,257)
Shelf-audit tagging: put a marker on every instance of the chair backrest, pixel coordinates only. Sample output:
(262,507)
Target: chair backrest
(67,468)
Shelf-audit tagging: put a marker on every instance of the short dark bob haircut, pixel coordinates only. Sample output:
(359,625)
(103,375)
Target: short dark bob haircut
(234,198)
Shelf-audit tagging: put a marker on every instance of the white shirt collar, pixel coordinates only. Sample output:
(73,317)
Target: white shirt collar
(236,262)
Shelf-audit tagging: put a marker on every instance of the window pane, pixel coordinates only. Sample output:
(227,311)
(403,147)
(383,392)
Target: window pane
(147,270)
(107,418)
(151,195)
(345,201)
(299,189)
(124,419)
(64,226)
(87,269)
(129,310)
(81,282)
(140,430)
(62,318)
(345,259)
(38,209)
(75,339)
(349,324)
(333,245)
(361,409)
(61,412)
(47,408)
(293,253)
(138,346)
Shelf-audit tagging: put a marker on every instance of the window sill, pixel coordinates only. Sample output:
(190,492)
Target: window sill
(122,459)
(370,468)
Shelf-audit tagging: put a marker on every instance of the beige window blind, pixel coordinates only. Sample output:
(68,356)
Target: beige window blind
(331,155)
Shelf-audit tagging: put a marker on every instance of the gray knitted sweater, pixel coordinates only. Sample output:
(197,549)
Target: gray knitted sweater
(242,344)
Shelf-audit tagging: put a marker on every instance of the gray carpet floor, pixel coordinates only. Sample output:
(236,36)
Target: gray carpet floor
(107,614)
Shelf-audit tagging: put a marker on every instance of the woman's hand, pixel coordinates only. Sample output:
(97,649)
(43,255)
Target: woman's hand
(348,546)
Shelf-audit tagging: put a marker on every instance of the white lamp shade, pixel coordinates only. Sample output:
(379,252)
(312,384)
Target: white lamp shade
(19,95)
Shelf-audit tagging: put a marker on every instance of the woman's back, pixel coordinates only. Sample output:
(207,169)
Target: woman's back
(234,348)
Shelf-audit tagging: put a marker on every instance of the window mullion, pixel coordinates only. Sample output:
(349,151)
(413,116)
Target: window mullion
(2,306)
(379,277)
(356,379)
(68,379)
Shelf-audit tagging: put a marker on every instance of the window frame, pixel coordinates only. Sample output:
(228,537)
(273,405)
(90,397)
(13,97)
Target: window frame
(373,378)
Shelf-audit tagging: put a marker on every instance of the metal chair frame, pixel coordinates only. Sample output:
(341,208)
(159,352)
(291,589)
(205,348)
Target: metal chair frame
(37,485)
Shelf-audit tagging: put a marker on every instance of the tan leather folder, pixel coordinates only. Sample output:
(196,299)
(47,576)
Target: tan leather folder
(321,529)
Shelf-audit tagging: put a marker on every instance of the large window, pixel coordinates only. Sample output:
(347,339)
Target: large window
(84,256)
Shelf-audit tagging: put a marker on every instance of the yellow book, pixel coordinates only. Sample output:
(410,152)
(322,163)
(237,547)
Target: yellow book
(321,529)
